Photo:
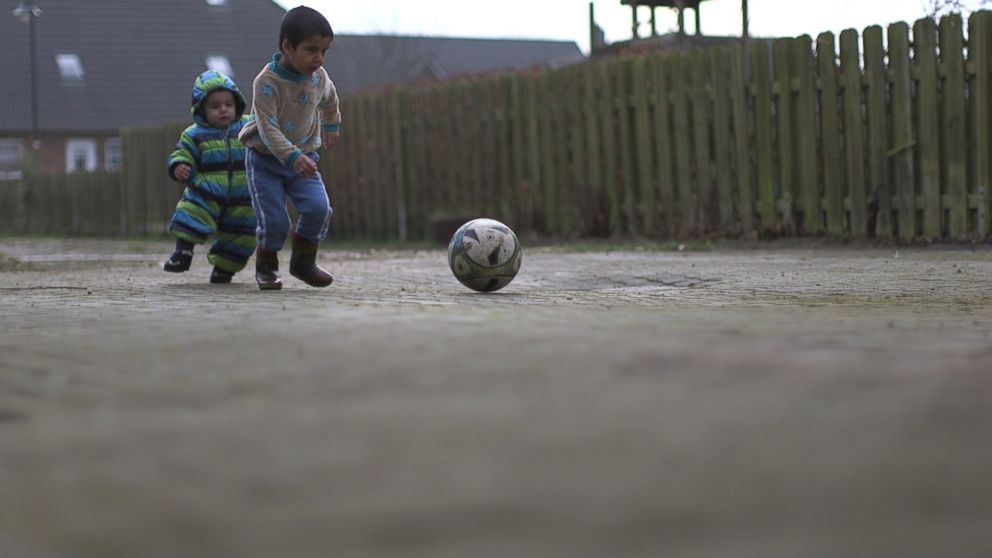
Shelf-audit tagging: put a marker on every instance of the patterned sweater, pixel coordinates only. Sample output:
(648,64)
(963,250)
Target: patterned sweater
(289,112)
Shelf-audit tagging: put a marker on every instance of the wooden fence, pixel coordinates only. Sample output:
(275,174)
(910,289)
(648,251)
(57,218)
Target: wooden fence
(884,133)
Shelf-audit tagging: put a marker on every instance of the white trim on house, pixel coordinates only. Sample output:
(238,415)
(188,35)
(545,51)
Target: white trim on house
(80,154)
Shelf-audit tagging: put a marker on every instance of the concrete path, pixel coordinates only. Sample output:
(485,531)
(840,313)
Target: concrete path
(760,402)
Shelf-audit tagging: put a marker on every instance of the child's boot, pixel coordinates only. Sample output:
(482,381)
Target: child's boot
(181,259)
(219,275)
(267,270)
(303,263)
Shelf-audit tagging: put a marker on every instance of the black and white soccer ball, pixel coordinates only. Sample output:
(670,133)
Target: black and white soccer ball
(484,255)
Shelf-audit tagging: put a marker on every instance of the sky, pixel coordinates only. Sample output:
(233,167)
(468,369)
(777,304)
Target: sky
(569,19)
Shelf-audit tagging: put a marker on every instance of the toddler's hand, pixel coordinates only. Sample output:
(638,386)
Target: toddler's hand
(183,172)
(304,166)
(329,139)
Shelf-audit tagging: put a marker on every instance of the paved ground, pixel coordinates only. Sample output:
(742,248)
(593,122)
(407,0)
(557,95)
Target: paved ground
(768,402)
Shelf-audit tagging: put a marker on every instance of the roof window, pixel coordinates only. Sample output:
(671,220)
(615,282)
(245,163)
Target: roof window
(220,63)
(70,67)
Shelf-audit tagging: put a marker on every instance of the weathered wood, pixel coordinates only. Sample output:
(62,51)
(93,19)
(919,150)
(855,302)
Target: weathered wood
(742,140)
(788,189)
(830,135)
(719,80)
(980,26)
(594,152)
(642,130)
(702,109)
(927,131)
(806,134)
(665,180)
(608,118)
(764,144)
(683,147)
(903,142)
(953,124)
(854,132)
(879,189)
(626,155)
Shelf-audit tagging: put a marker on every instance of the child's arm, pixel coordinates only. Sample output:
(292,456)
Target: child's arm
(330,116)
(265,106)
(182,161)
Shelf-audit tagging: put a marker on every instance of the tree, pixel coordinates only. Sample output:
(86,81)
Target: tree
(938,8)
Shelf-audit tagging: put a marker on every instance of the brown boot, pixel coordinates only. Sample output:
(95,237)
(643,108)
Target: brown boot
(303,263)
(267,270)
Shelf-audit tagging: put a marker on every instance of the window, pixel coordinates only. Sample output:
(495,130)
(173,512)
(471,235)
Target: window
(70,67)
(220,63)
(10,159)
(113,154)
(80,155)
(216,2)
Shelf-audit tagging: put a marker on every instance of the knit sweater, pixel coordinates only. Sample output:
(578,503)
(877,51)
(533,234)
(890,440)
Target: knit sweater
(289,112)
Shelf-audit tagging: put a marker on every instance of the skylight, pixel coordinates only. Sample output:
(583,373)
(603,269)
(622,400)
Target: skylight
(70,67)
(216,2)
(220,63)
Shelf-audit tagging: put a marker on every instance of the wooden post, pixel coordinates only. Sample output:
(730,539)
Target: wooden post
(981,151)
(764,162)
(928,131)
(854,135)
(903,147)
(830,135)
(954,125)
(879,189)
(802,57)
(663,140)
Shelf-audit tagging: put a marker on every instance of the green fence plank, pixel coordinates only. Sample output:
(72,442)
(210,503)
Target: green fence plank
(722,134)
(830,136)
(642,140)
(928,131)
(563,123)
(764,144)
(788,189)
(903,149)
(854,132)
(980,95)
(660,68)
(608,118)
(879,189)
(954,125)
(702,110)
(594,159)
(806,134)
(683,147)
(626,154)
(742,140)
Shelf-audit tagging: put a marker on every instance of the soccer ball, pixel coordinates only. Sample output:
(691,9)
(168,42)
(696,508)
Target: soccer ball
(484,255)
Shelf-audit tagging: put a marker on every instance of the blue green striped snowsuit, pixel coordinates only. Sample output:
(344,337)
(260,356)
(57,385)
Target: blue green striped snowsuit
(216,198)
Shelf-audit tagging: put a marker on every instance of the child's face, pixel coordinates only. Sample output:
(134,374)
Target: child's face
(219,108)
(308,56)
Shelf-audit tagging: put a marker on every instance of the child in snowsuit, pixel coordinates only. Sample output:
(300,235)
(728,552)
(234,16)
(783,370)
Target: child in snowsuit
(210,160)
(294,113)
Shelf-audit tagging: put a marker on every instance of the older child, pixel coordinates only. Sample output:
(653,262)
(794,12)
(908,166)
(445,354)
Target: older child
(294,113)
(211,161)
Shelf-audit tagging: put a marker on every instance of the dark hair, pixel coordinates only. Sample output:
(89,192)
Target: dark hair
(302,22)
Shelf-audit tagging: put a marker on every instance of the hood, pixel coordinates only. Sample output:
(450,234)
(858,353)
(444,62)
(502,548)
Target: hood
(210,81)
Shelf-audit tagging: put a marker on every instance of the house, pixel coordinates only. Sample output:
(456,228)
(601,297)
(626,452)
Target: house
(102,66)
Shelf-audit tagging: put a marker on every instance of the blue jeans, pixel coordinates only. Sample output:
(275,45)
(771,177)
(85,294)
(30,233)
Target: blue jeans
(270,182)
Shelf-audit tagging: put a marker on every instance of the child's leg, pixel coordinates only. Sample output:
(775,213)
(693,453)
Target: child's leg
(235,241)
(310,199)
(194,219)
(268,198)
(266,176)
